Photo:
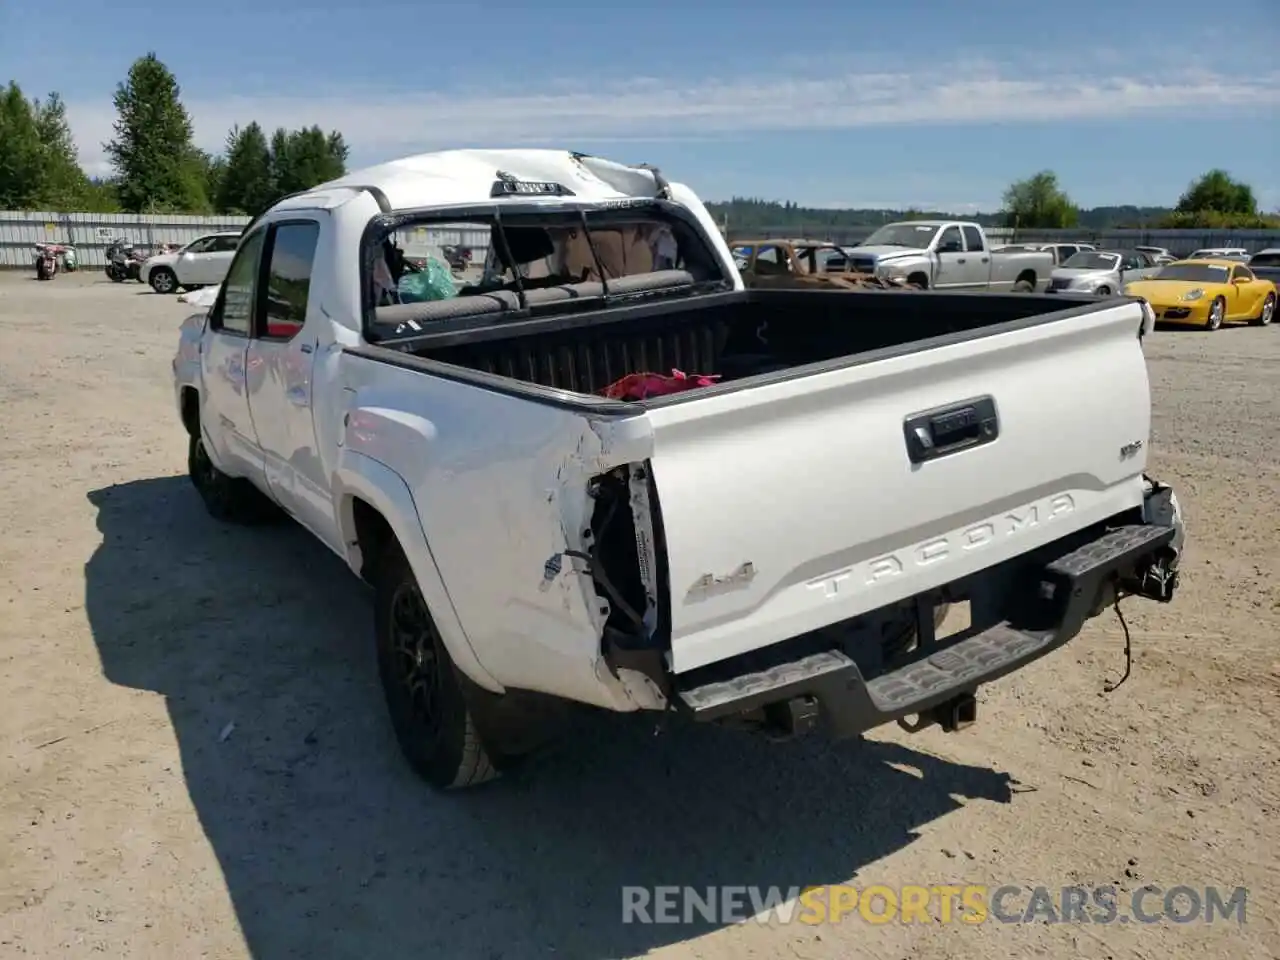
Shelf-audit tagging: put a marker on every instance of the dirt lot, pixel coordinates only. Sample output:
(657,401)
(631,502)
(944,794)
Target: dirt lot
(137,821)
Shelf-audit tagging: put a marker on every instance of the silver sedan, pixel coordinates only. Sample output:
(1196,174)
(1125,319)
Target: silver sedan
(1101,272)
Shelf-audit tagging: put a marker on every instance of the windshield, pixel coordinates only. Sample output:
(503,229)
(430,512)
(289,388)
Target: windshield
(914,235)
(1193,272)
(1091,261)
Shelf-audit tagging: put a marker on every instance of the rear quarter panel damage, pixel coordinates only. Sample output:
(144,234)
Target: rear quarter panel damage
(500,484)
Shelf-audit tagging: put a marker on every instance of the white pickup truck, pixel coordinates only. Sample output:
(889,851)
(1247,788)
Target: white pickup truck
(949,255)
(770,548)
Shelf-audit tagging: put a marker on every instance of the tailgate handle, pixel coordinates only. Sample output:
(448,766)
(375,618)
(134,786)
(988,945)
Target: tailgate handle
(944,430)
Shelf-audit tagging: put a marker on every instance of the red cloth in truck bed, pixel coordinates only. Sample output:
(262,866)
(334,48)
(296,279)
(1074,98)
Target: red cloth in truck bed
(638,386)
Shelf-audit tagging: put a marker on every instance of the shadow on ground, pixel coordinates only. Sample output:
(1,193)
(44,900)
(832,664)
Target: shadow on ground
(330,847)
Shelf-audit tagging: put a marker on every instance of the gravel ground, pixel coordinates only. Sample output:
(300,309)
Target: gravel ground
(196,762)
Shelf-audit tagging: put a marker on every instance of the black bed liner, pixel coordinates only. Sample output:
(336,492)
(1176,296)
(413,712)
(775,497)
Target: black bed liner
(564,358)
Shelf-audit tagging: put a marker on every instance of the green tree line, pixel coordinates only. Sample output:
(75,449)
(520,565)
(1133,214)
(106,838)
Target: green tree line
(156,166)
(1213,201)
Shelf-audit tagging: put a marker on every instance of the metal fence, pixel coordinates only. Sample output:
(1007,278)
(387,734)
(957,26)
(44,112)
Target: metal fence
(1179,242)
(92,233)
(422,241)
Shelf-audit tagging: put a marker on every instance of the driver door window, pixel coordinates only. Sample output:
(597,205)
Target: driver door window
(950,241)
(234,313)
(952,269)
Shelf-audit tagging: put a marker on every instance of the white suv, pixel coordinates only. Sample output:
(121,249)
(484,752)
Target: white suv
(200,263)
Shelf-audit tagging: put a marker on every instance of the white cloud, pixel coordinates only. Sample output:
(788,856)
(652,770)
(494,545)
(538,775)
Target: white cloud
(379,124)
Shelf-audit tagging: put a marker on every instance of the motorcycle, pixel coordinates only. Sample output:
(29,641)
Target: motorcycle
(458,257)
(47,260)
(124,261)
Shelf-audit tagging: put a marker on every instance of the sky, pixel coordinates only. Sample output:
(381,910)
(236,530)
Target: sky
(893,104)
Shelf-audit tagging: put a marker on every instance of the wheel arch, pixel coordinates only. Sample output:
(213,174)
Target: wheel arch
(374,509)
(189,410)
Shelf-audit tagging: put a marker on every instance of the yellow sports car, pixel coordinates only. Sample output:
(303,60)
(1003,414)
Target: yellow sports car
(1207,293)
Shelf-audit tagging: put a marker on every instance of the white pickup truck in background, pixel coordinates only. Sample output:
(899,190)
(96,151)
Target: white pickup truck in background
(949,255)
(768,545)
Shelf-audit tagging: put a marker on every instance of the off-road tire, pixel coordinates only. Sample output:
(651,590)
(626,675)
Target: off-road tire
(163,280)
(230,499)
(1267,313)
(1217,311)
(426,695)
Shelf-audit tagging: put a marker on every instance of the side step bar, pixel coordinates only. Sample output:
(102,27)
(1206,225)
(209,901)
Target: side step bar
(851,705)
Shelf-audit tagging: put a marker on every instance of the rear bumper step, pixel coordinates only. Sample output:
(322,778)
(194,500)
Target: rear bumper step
(850,705)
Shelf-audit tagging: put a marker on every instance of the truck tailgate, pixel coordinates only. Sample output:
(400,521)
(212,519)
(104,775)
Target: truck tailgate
(791,505)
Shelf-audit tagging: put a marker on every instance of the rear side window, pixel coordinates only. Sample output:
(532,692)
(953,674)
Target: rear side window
(293,254)
(972,238)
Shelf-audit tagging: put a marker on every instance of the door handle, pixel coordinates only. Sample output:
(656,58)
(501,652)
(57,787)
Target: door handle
(960,260)
(986,259)
(936,433)
(306,348)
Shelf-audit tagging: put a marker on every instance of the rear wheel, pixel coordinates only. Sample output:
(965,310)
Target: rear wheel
(426,696)
(1024,286)
(1268,311)
(1217,311)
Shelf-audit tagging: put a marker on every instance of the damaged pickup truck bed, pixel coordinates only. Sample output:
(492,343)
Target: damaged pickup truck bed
(768,545)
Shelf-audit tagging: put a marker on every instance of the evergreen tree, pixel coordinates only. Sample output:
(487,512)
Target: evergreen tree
(21,153)
(65,184)
(281,164)
(157,164)
(302,159)
(247,180)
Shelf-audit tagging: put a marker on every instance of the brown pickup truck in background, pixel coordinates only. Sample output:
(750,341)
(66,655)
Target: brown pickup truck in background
(814,264)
